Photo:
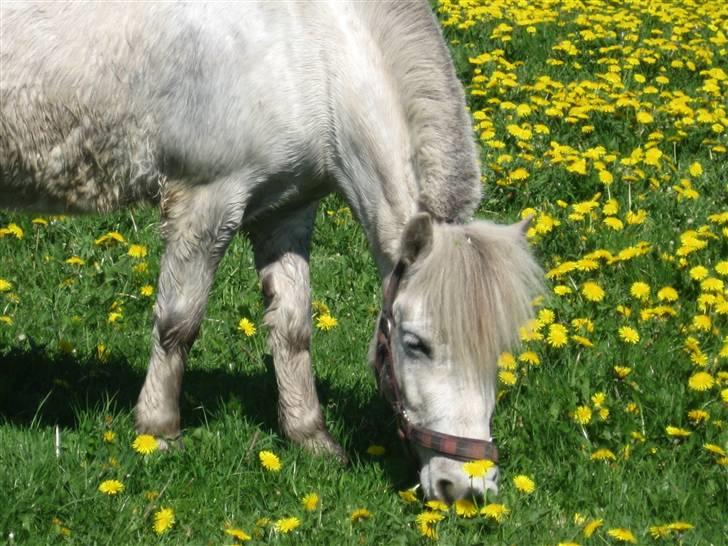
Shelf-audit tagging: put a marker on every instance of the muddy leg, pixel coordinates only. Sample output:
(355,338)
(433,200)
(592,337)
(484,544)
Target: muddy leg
(281,255)
(198,224)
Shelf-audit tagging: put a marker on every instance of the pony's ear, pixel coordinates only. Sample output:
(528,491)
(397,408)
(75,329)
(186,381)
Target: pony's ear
(522,226)
(417,238)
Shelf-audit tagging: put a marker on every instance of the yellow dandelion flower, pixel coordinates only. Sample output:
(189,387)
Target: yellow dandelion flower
(13,229)
(238,534)
(622,371)
(613,223)
(680,526)
(326,322)
(437,505)
(698,272)
(408,495)
(109,436)
(507,378)
(582,415)
(163,520)
(591,527)
(426,522)
(667,293)
(695,169)
(310,502)
(712,284)
(506,361)
(524,484)
(110,237)
(530,357)
(146,290)
(644,117)
(562,290)
(622,535)
(603,455)
(111,487)
(478,468)
(558,335)
(629,335)
(702,322)
(698,416)
(5,286)
(592,291)
(247,327)
(269,461)
(715,449)
(722,268)
(495,511)
(137,251)
(605,177)
(546,316)
(376,450)
(360,514)
(75,260)
(465,508)
(287,525)
(640,290)
(701,381)
(145,444)
(677,432)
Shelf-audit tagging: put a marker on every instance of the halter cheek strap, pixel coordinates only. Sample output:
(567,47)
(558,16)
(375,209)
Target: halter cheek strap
(456,447)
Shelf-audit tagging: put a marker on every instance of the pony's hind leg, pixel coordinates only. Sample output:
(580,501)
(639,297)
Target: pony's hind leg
(198,224)
(281,255)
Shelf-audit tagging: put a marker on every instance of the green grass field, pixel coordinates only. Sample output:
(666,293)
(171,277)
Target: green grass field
(607,120)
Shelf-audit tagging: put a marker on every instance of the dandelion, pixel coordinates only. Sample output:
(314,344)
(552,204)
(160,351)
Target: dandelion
(582,415)
(111,487)
(702,322)
(426,522)
(408,496)
(247,327)
(238,534)
(437,505)
(622,371)
(75,260)
(558,335)
(603,455)
(310,502)
(376,450)
(714,449)
(145,444)
(677,432)
(629,335)
(530,357)
(5,286)
(562,290)
(698,416)
(269,461)
(524,484)
(698,272)
(701,381)
(644,117)
(110,237)
(287,525)
(465,508)
(163,520)
(495,511)
(507,377)
(109,436)
(591,527)
(695,169)
(146,290)
(326,322)
(137,251)
(592,291)
(478,468)
(667,293)
(640,290)
(360,514)
(13,229)
(622,535)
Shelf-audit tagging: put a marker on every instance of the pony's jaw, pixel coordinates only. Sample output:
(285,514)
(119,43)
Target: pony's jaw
(445,479)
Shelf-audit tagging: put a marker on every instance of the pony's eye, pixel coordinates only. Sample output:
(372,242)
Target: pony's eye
(415,345)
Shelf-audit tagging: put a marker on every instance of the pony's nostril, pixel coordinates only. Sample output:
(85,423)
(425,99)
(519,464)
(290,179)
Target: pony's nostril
(446,490)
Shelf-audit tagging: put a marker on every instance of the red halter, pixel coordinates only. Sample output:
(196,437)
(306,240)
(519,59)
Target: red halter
(453,446)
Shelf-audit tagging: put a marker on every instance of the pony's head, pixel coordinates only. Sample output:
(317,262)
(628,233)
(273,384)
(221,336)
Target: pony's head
(454,302)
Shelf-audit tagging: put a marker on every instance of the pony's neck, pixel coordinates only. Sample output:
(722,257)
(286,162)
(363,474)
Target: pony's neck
(407,145)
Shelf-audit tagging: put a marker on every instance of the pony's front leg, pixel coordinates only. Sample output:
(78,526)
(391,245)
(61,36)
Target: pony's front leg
(281,254)
(198,224)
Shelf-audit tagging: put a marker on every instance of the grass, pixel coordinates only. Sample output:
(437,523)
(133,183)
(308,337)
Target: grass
(74,338)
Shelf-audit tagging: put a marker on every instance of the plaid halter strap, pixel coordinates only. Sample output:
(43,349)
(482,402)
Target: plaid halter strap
(456,447)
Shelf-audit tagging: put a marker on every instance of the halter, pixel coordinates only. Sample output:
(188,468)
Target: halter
(456,447)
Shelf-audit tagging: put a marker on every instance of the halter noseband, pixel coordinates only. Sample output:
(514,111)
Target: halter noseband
(456,447)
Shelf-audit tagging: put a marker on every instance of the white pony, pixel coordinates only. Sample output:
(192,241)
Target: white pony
(240,116)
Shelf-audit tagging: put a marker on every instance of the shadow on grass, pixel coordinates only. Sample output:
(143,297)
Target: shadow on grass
(38,388)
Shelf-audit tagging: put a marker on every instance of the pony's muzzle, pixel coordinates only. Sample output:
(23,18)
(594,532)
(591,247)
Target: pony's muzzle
(445,479)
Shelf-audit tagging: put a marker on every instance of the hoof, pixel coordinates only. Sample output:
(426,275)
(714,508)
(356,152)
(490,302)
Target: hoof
(168,444)
(324,445)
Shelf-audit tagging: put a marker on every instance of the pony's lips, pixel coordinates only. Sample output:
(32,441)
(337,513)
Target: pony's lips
(445,480)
